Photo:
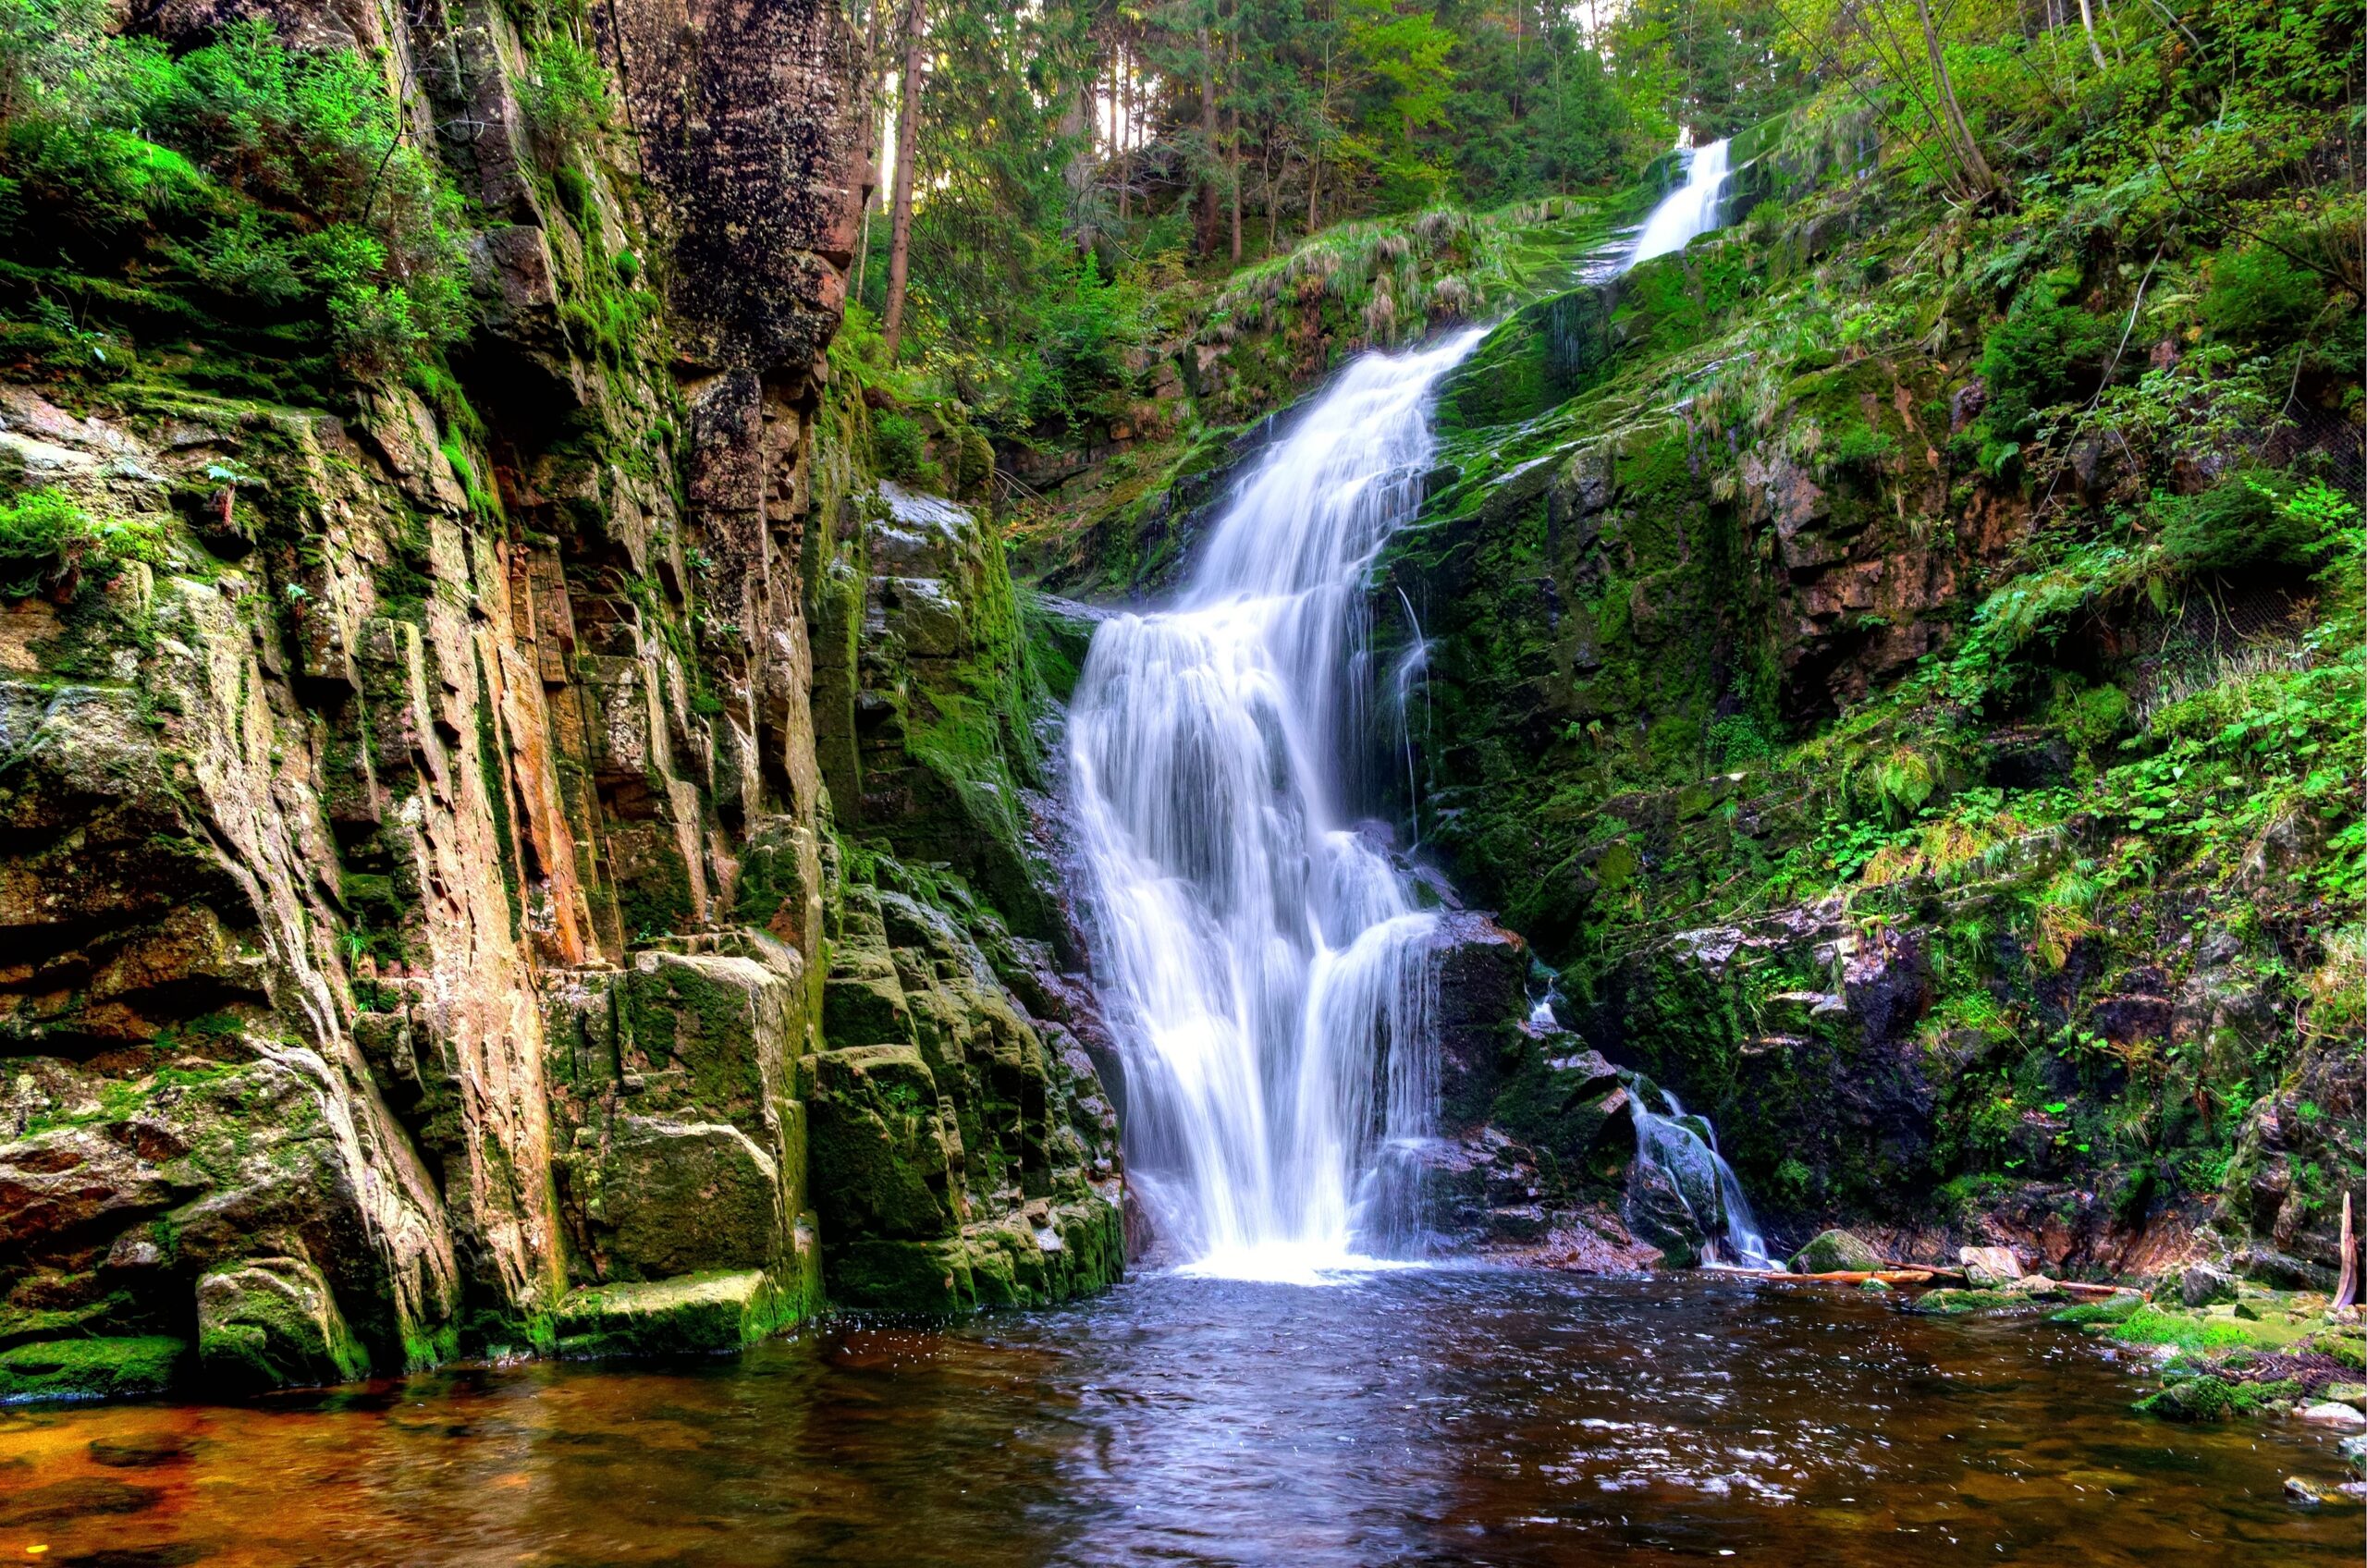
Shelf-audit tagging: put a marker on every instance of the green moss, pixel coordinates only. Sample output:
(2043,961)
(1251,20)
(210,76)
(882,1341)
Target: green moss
(75,1369)
(2154,1326)
(1950,1302)
(2209,1398)
(2116,1310)
(692,1315)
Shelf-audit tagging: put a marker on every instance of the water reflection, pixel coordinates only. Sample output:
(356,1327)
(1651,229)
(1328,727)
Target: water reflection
(1415,1416)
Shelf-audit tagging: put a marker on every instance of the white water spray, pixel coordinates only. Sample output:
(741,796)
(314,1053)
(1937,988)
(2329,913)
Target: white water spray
(1270,972)
(1691,209)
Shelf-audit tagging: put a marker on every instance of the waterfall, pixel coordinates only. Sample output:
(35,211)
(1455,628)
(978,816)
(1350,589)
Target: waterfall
(1270,972)
(1678,1165)
(1691,209)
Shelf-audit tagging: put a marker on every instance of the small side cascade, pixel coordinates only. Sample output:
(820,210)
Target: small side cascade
(1681,1186)
(1544,990)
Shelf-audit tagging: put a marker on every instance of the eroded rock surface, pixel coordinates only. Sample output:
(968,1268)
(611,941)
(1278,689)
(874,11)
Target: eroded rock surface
(447,891)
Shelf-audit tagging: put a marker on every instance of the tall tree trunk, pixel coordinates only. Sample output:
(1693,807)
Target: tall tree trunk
(1266,184)
(1125,135)
(1232,140)
(874,124)
(2088,20)
(1206,226)
(1520,26)
(908,130)
(1975,167)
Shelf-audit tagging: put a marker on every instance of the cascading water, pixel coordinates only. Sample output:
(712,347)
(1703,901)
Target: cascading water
(1269,969)
(1678,1167)
(1689,210)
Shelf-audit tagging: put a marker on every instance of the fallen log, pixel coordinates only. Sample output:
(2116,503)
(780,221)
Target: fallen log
(1915,1274)
(1901,1276)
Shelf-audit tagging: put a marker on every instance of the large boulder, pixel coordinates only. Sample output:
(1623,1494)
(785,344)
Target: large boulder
(1831,1252)
(270,1322)
(2205,1284)
(883,1153)
(685,1197)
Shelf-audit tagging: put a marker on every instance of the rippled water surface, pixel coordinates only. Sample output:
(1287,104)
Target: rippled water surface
(1438,1416)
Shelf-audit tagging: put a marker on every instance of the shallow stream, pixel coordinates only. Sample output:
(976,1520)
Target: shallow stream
(1446,1416)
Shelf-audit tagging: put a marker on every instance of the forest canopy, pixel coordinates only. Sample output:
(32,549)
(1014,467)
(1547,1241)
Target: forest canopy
(1077,174)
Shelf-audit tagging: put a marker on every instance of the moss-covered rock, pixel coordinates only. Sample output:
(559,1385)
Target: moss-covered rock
(272,1322)
(688,1315)
(2209,1398)
(92,1369)
(1830,1252)
(1951,1300)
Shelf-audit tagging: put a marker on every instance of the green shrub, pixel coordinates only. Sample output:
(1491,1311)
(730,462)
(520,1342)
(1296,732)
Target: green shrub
(276,179)
(2044,352)
(1739,738)
(2092,717)
(2239,523)
(566,98)
(2257,296)
(898,450)
(1088,326)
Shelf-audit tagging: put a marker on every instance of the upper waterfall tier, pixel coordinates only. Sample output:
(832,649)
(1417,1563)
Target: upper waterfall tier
(1690,209)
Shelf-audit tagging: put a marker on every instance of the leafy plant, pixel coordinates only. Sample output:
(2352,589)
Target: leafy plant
(566,99)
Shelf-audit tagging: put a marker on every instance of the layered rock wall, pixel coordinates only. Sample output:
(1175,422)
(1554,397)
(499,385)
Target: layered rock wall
(431,925)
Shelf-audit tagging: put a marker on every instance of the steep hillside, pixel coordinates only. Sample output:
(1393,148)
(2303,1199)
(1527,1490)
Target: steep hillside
(1903,668)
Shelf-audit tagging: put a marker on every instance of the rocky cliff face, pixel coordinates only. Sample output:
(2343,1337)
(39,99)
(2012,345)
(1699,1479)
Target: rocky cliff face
(496,871)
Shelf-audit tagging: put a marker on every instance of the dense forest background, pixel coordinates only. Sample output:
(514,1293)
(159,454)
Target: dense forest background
(1075,165)
(1082,176)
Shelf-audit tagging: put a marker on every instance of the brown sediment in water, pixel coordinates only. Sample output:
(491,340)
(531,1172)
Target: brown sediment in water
(1447,1415)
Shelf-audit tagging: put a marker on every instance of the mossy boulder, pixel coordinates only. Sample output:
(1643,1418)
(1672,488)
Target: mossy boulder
(272,1322)
(2208,1397)
(1830,1252)
(2113,1309)
(882,1152)
(106,1368)
(1951,1302)
(686,1197)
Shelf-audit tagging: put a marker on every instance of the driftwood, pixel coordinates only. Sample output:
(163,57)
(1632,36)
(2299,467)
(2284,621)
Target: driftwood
(1913,1274)
(1903,1275)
